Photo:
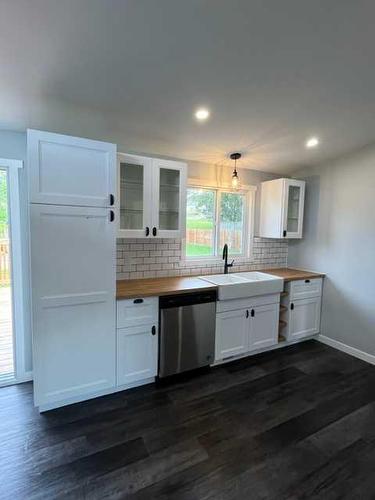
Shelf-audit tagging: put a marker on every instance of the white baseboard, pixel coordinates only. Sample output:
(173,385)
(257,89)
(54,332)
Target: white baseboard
(11,380)
(96,394)
(364,356)
(25,377)
(279,345)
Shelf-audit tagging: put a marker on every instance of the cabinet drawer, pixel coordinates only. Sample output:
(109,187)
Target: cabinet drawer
(235,304)
(303,289)
(138,311)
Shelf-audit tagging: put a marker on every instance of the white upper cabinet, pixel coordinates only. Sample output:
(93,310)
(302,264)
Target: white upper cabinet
(281,208)
(134,194)
(170,198)
(152,197)
(66,170)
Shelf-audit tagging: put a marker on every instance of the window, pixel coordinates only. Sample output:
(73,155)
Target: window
(215,217)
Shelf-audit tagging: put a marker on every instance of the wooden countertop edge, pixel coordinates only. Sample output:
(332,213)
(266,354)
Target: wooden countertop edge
(174,285)
(160,293)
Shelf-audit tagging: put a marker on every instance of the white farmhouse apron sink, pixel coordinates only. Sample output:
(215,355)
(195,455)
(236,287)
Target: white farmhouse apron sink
(241,285)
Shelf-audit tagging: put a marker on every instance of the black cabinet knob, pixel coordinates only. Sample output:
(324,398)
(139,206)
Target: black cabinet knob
(292,306)
(252,313)
(147,231)
(154,231)
(111,200)
(153,330)
(111,216)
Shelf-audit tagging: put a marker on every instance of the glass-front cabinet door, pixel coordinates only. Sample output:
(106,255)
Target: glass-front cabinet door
(293,208)
(134,186)
(169,208)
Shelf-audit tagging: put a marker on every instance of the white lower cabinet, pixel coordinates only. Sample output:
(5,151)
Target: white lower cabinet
(231,336)
(137,340)
(246,329)
(264,326)
(137,353)
(303,302)
(304,318)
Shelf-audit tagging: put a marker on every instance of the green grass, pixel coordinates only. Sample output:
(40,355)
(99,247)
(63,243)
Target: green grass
(199,224)
(198,250)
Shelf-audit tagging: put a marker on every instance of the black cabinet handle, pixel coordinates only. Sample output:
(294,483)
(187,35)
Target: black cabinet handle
(153,330)
(154,231)
(252,313)
(111,216)
(284,233)
(137,301)
(292,306)
(111,200)
(147,231)
(307,281)
(247,313)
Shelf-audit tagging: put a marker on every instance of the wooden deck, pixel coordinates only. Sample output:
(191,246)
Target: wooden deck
(6,336)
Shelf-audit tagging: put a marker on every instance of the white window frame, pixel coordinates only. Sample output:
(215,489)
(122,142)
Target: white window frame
(12,168)
(249,192)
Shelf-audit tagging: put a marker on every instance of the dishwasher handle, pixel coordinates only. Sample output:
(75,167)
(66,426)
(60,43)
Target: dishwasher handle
(187,299)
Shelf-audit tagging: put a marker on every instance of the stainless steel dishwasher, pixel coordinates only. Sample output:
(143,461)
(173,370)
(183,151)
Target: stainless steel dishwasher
(187,331)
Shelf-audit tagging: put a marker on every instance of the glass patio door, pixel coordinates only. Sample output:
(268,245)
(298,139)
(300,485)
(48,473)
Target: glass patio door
(15,348)
(7,368)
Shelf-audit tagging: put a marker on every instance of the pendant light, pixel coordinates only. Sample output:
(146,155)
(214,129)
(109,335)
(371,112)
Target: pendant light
(235,178)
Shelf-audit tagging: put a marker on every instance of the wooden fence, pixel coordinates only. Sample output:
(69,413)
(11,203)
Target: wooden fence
(4,262)
(204,237)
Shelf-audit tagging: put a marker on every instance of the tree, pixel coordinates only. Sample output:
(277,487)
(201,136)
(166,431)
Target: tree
(231,209)
(200,203)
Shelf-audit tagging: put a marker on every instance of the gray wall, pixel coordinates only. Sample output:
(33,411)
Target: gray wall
(339,239)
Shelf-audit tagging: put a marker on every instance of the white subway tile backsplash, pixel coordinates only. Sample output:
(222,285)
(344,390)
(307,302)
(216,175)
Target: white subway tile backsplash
(142,258)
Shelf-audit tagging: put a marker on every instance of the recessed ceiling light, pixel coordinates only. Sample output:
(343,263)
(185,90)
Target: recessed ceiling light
(202,114)
(312,142)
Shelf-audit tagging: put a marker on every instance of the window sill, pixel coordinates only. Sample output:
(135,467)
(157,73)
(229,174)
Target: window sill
(199,262)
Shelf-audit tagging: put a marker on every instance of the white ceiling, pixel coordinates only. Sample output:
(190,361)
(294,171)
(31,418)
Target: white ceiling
(272,73)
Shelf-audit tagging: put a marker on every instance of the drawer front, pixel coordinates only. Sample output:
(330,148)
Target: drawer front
(234,304)
(138,311)
(303,289)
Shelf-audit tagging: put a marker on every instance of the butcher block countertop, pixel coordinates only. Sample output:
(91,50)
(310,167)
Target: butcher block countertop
(290,274)
(153,287)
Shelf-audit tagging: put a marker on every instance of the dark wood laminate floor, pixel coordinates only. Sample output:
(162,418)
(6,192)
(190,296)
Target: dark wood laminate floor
(289,424)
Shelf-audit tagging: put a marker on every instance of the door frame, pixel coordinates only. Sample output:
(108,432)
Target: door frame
(17,271)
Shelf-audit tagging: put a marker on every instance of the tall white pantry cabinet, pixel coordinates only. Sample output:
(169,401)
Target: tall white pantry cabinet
(72,182)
